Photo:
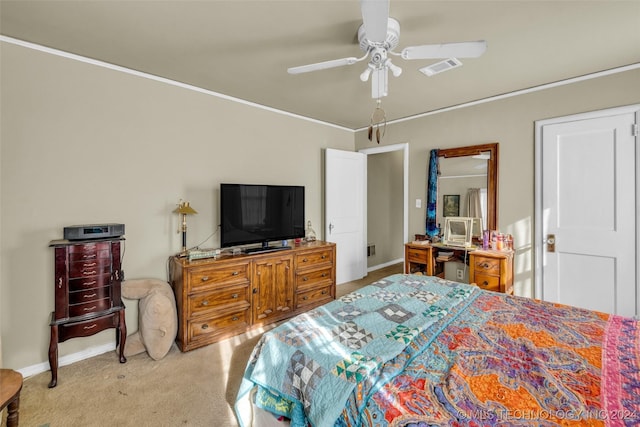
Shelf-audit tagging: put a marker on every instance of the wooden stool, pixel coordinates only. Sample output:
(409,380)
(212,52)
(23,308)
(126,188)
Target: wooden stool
(10,386)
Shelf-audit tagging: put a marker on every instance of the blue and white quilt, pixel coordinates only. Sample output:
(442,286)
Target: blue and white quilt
(306,368)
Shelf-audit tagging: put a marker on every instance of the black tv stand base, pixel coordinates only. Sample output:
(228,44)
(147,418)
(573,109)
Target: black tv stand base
(263,249)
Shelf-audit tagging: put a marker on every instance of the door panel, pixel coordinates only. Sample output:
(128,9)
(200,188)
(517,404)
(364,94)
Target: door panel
(345,223)
(588,204)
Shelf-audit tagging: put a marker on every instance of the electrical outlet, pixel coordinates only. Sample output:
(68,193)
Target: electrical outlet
(418,203)
(460,274)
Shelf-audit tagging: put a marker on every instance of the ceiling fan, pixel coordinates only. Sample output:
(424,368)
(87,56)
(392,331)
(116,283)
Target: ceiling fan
(378,35)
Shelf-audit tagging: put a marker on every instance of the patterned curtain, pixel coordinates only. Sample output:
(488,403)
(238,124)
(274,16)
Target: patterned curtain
(432,195)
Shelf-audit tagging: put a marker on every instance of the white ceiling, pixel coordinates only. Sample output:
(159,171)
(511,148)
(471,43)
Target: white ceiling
(242,48)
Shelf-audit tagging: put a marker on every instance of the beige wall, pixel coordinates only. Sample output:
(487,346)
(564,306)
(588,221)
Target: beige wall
(511,123)
(84,144)
(385,193)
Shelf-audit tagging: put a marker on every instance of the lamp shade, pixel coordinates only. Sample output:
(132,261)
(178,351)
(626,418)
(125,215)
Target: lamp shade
(185,209)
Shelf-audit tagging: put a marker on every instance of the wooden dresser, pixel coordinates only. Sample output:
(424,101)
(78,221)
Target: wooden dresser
(222,297)
(87,294)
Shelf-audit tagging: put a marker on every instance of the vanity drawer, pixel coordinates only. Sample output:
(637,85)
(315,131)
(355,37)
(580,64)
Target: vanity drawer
(89,268)
(314,297)
(487,265)
(486,282)
(86,328)
(203,302)
(419,255)
(202,328)
(89,295)
(222,275)
(89,282)
(89,307)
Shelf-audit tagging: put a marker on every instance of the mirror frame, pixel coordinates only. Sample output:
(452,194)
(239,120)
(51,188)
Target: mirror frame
(492,174)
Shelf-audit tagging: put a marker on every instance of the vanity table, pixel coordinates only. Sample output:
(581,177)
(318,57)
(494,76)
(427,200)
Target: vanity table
(490,270)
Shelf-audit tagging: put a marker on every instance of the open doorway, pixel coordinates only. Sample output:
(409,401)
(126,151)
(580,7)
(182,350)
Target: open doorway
(387,203)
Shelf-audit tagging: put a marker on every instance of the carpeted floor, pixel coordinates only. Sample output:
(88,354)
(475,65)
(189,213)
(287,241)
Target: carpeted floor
(197,388)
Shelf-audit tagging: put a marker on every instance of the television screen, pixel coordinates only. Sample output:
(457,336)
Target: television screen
(260,213)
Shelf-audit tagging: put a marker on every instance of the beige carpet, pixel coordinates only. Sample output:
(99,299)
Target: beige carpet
(197,388)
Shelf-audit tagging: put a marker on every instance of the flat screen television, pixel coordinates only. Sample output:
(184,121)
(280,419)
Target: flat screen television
(252,214)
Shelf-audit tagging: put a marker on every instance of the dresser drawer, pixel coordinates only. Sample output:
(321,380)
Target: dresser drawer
(208,277)
(314,297)
(203,302)
(218,325)
(89,307)
(487,265)
(312,278)
(89,295)
(89,282)
(489,283)
(417,255)
(89,268)
(309,259)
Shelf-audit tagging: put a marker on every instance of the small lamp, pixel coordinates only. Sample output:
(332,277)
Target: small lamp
(184,209)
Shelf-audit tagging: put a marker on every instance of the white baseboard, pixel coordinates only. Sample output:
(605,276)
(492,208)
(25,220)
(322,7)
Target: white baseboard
(386,264)
(39,368)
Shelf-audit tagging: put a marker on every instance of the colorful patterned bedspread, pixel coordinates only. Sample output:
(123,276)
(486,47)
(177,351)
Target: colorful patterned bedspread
(486,359)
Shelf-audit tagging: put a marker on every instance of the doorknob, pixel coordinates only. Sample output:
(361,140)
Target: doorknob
(550,242)
(331,227)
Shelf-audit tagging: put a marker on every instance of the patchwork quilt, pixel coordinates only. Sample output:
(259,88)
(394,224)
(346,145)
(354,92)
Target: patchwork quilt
(420,351)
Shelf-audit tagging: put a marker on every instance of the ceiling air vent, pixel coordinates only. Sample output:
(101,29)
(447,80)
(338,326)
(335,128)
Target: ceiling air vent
(441,66)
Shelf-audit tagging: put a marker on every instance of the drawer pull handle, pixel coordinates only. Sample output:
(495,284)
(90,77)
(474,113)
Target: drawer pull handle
(90,308)
(204,279)
(205,302)
(90,327)
(305,278)
(304,260)
(89,273)
(305,298)
(89,296)
(324,257)
(93,282)
(59,282)
(234,296)
(268,311)
(324,292)
(324,274)
(205,326)
(117,275)
(89,256)
(485,265)
(485,283)
(91,264)
(234,318)
(235,273)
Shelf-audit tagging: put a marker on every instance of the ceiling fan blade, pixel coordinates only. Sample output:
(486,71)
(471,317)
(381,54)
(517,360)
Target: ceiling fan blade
(445,50)
(322,65)
(375,17)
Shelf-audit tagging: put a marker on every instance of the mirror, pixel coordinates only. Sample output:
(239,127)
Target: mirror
(471,167)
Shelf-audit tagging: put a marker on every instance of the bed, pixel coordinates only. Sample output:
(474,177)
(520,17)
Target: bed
(420,351)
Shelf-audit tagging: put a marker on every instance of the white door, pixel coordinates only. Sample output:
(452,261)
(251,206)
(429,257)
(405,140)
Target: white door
(345,222)
(588,212)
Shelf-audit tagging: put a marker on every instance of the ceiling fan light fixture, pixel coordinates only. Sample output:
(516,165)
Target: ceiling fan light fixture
(366,73)
(395,70)
(439,67)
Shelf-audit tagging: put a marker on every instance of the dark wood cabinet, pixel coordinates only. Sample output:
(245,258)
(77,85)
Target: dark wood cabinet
(220,298)
(88,277)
